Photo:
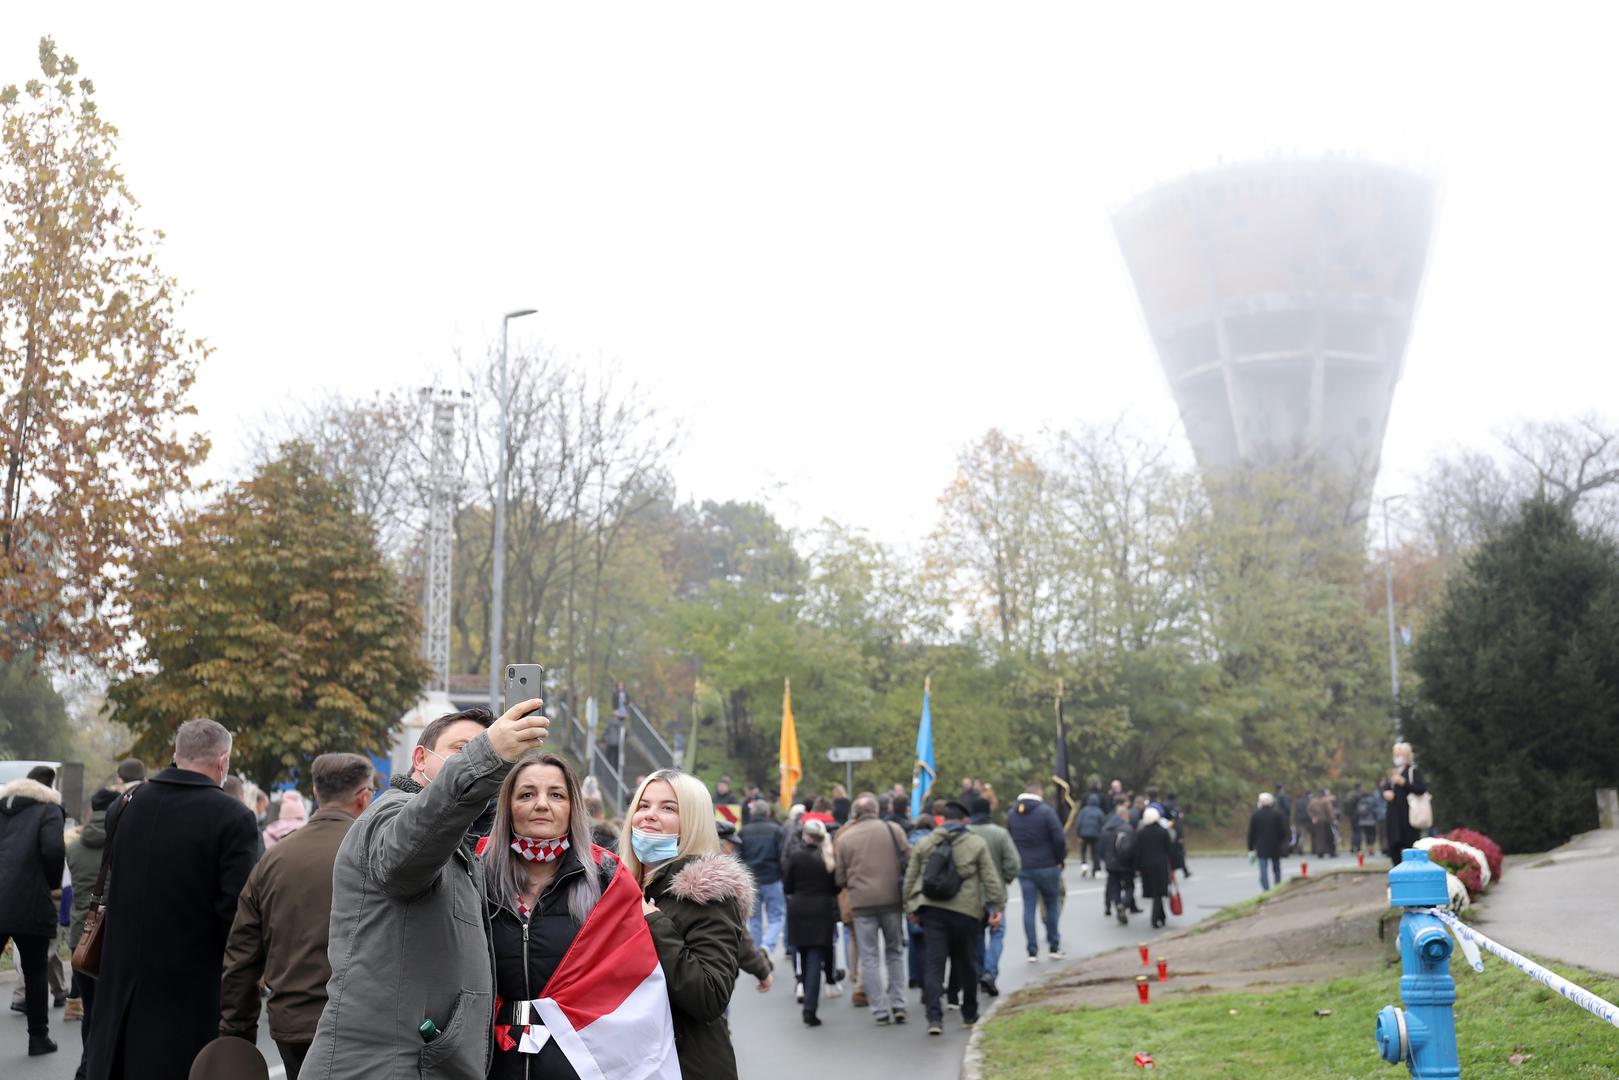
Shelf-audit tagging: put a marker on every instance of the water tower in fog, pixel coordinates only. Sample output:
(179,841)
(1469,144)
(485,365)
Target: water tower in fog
(1280,297)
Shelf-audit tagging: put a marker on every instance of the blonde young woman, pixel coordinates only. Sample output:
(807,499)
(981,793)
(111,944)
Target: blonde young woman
(541,882)
(697,902)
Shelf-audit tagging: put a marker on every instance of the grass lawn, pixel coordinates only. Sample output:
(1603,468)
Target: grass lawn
(1258,1036)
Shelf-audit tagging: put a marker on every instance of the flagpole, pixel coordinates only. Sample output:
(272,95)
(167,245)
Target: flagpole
(1066,791)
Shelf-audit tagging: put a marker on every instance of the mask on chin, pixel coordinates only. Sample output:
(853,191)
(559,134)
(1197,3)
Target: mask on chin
(654,848)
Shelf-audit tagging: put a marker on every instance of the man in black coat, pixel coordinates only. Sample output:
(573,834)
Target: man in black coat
(1269,839)
(181,849)
(32,854)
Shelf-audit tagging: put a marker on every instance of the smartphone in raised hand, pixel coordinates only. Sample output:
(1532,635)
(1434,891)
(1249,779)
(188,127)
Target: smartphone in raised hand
(523,681)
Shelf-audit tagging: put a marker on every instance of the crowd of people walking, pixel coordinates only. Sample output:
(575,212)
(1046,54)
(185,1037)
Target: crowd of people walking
(435,926)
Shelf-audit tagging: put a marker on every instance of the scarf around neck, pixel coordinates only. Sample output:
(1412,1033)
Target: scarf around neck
(540,850)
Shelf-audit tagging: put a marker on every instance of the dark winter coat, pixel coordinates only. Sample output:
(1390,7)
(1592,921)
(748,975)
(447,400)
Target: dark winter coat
(812,899)
(181,851)
(1037,832)
(704,902)
(1400,833)
(32,853)
(1091,818)
(1152,857)
(521,974)
(1107,846)
(84,864)
(1268,833)
(762,843)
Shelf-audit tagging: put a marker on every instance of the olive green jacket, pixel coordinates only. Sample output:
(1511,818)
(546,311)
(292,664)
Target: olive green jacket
(981,884)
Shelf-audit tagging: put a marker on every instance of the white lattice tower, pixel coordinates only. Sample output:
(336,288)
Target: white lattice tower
(442,485)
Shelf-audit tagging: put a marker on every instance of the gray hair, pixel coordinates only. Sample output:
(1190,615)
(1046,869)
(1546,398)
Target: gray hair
(1266,799)
(865,805)
(760,810)
(201,740)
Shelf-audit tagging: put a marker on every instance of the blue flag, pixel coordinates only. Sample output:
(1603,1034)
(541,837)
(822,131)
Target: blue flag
(922,779)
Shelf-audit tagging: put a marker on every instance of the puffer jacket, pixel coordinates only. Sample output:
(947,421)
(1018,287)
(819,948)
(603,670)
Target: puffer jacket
(32,853)
(409,936)
(1091,818)
(704,902)
(84,864)
(1037,832)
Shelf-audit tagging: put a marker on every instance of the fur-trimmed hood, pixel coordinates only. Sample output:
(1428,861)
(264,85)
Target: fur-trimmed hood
(25,789)
(708,879)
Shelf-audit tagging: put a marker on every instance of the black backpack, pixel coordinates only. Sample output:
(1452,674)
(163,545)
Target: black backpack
(940,878)
(1124,842)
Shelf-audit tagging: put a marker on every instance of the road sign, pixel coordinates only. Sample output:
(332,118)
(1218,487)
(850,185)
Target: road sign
(845,754)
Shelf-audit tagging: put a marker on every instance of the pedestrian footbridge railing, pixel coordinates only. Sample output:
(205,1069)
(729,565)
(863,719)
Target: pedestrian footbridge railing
(1423,1034)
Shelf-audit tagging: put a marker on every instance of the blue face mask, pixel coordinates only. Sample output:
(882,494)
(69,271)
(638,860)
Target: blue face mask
(653,848)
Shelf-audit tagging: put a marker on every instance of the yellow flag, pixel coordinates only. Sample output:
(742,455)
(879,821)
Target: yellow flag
(792,766)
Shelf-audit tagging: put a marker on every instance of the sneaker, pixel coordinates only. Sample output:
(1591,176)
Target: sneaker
(987,985)
(968,1021)
(935,1028)
(883,1021)
(1034,958)
(798,992)
(1124,918)
(899,1016)
(58,1001)
(40,1044)
(811,1020)
(73,1011)
(835,990)
(952,1006)
(1056,954)
(18,1006)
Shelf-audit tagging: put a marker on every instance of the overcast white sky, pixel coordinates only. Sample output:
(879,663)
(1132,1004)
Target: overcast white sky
(837,240)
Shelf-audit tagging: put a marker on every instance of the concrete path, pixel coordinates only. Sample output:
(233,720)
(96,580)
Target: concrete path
(1559,905)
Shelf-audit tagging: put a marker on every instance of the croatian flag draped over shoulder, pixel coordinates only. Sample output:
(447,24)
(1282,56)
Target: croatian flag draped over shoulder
(607,1006)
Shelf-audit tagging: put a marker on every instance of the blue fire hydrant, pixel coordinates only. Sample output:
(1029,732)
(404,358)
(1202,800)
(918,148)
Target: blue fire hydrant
(1423,1034)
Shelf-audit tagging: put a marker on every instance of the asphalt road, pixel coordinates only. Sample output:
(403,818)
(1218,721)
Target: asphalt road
(767,1029)
(770,1035)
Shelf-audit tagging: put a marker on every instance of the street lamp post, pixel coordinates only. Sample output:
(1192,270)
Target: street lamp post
(1388,581)
(497,596)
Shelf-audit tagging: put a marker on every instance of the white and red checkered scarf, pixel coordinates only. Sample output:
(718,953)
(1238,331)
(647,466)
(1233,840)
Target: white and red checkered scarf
(540,850)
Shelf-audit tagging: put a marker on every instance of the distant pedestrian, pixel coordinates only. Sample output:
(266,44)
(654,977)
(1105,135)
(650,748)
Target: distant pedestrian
(1153,862)
(1091,817)
(992,938)
(812,916)
(1403,781)
(1042,848)
(84,864)
(1365,820)
(915,964)
(1268,839)
(898,812)
(948,897)
(869,865)
(1117,850)
(294,816)
(32,857)
(179,852)
(131,771)
(283,917)
(762,843)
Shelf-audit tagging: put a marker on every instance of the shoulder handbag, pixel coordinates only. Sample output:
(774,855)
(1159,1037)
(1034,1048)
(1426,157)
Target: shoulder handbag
(1175,906)
(1419,809)
(87,953)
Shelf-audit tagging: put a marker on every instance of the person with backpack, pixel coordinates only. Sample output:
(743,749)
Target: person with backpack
(1090,823)
(1116,846)
(1042,846)
(1365,821)
(992,938)
(950,883)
